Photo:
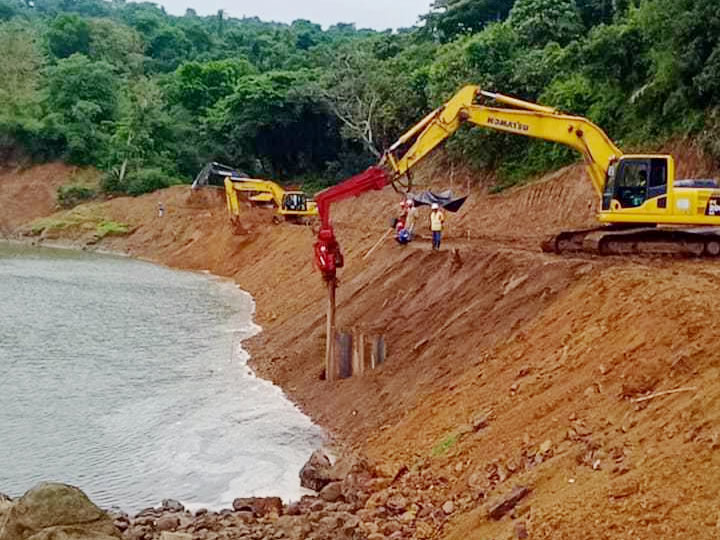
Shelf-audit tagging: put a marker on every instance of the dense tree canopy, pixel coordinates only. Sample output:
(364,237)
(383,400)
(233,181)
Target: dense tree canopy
(149,98)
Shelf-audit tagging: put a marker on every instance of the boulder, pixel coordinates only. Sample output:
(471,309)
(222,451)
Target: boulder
(167,523)
(397,504)
(259,506)
(317,472)
(173,505)
(333,492)
(503,505)
(59,512)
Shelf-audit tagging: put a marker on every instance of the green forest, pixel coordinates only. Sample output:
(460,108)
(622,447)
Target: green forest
(149,98)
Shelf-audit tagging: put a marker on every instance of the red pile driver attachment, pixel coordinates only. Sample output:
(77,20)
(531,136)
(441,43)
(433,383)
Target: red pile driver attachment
(328,255)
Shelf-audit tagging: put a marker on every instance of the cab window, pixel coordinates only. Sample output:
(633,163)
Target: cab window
(631,183)
(658,178)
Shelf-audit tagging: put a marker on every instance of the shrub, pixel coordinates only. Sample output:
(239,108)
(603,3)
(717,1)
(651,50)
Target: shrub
(69,196)
(138,182)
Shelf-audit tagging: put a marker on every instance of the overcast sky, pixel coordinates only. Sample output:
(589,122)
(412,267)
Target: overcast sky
(378,14)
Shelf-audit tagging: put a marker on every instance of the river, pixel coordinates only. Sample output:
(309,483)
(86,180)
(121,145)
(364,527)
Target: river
(129,381)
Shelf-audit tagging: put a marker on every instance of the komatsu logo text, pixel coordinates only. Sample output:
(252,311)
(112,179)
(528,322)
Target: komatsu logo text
(515,126)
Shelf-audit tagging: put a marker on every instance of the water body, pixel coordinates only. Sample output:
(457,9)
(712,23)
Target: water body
(129,381)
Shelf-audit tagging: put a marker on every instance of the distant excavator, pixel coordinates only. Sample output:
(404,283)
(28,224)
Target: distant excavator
(644,209)
(294,205)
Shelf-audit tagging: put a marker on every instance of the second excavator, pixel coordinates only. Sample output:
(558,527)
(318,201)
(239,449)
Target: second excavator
(643,207)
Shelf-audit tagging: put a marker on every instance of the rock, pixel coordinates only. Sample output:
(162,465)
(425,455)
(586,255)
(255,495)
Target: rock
(167,523)
(477,481)
(245,516)
(424,530)
(201,512)
(448,507)
(498,509)
(259,506)
(317,472)
(57,511)
(394,471)
(391,527)
(397,504)
(622,489)
(293,509)
(333,492)
(521,531)
(173,505)
(546,447)
(331,523)
(175,536)
(121,525)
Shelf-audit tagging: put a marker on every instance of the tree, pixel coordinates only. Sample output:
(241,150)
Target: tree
(450,18)
(199,86)
(141,141)
(69,34)
(82,100)
(168,47)
(538,22)
(20,72)
(353,94)
(273,124)
(117,44)
(7,11)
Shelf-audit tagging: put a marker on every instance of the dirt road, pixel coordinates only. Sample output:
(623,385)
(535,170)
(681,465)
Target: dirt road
(506,367)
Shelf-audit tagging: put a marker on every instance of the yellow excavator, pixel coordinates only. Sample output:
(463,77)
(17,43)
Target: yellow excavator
(293,206)
(289,205)
(644,208)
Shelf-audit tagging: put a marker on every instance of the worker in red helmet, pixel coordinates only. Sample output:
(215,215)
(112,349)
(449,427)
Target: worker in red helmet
(399,222)
(412,213)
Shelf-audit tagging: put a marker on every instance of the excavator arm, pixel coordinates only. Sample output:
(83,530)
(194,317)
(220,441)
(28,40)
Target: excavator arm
(328,255)
(519,117)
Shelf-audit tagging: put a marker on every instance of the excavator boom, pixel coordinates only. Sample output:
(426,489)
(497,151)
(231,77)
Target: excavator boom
(528,119)
(328,256)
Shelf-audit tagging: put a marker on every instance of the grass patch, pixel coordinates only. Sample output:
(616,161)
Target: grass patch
(445,445)
(83,219)
(111,228)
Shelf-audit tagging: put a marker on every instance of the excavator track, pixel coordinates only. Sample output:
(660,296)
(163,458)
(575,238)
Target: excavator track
(643,240)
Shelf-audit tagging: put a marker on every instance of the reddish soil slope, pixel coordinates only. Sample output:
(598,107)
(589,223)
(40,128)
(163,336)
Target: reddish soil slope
(26,194)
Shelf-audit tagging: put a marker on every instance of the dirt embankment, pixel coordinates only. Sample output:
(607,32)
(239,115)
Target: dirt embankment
(29,193)
(507,367)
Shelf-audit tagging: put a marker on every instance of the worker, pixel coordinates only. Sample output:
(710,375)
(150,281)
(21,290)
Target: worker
(437,218)
(161,209)
(399,222)
(412,213)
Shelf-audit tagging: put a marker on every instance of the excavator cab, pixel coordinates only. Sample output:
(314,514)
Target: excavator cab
(295,201)
(634,180)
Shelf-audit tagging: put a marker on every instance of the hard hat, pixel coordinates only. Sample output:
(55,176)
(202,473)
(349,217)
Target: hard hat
(435,206)
(410,202)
